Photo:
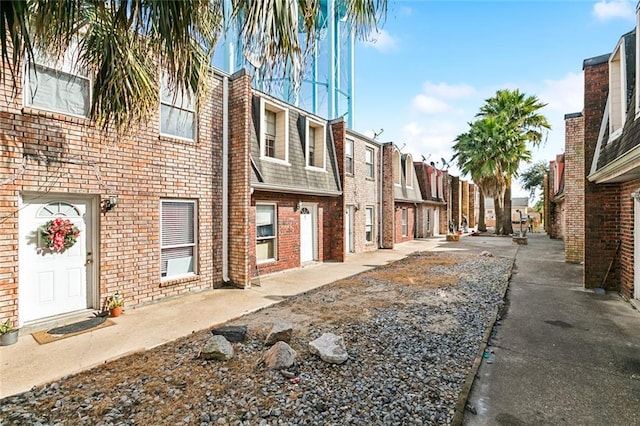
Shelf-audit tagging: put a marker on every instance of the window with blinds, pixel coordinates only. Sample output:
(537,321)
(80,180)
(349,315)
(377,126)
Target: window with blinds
(265,232)
(58,85)
(178,240)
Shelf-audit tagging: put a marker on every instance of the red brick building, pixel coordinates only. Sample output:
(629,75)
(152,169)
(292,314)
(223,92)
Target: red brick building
(611,147)
(555,199)
(432,213)
(146,205)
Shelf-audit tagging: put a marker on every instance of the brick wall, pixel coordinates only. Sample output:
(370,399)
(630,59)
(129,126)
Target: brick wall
(388,198)
(411,218)
(240,233)
(574,183)
(473,191)
(625,258)
(601,202)
(464,201)
(456,201)
(288,229)
(66,156)
(358,190)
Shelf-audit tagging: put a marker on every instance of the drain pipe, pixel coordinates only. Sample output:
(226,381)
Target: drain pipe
(225,179)
(380,199)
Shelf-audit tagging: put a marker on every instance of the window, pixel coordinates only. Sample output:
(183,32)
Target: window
(265,232)
(348,154)
(368,225)
(617,90)
(408,171)
(440,181)
(433,183)
(177,114)
(405,221)
(178,240)
(58,86)
(368,159)
(428,220)
(315,137)
(274,140)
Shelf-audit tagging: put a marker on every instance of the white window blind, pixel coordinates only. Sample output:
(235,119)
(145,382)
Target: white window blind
(178,237)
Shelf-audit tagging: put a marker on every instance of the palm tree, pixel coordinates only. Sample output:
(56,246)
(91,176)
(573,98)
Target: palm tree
(123,43)
(523,124)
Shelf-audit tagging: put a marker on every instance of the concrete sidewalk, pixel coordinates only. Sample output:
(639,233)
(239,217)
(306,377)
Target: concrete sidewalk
(27,364)
(561,354)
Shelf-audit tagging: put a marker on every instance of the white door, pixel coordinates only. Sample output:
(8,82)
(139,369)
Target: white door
(52,282)
(307,240)
(436,222)
(348,230)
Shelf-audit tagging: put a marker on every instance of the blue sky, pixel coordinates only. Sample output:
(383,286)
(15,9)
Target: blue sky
(423,77)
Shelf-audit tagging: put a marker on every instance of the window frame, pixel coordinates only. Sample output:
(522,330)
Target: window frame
(64,66)
(282,126)
(274,237)
(315,127)
(617,91)
(348,156)
(171,102)
(397,168)
(194,244)
(369,225)
(370,167)
(408,170)
(404,222)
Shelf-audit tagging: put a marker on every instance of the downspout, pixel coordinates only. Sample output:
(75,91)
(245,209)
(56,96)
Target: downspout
(225,179)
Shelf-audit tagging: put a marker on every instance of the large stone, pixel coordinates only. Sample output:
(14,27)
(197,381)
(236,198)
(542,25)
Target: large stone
(330,348)
(233,333)
(217,348)
(279,356)
(280,332)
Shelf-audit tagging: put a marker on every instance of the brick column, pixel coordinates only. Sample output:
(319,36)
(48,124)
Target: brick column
(336,249)
(574,181)
(388,198)
(456,195)
(241,231)
(601,202)
(472,205)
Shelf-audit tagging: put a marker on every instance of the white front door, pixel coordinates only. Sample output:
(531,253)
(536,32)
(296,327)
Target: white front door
(436,222)
(348,230)
(52,282)
(307,234)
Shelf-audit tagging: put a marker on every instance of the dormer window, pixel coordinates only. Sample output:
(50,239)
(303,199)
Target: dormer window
(274,140)
(408,170)
(316,144)
(433,178)
(58,85)
(617,90)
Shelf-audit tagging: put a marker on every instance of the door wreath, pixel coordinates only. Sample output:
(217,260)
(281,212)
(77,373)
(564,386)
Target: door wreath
(59,234)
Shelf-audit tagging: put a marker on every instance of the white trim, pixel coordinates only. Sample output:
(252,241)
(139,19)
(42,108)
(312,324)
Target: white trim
(195,244)
(313,209)
(617,59)
(315,126)
(275,233)
(624,164)
(603,129)
(373,162)
(281,114)
(408,171)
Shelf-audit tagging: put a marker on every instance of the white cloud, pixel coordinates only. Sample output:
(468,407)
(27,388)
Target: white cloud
(429,105)
(449,91)
(382,41)
(564,95)
(605,10)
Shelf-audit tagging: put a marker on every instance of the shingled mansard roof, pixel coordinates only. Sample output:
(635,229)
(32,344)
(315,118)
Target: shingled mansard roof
(293,177)
(617,159)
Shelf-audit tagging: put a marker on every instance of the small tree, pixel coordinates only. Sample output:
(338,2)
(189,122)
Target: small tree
(533,177)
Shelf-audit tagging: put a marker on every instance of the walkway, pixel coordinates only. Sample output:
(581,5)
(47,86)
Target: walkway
(27,364)
(561,354)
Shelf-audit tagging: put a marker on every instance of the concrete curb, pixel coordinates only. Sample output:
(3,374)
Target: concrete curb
(470,379)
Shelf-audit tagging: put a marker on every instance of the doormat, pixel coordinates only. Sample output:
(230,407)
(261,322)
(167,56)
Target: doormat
(69,330)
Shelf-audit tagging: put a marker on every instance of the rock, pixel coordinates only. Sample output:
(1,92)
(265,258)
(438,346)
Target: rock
(280,332)
(279,356)
(486,254)
(330,348)
(233,333)
(217,348)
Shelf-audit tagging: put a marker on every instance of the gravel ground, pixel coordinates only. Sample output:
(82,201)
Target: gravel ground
(412,330)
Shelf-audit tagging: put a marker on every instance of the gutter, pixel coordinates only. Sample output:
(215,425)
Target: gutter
(225,179)
(380,209)
(294,190)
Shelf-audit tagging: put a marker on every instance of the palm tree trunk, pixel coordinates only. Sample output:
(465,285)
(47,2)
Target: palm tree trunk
(507,227)
(482,225)
(497,205)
